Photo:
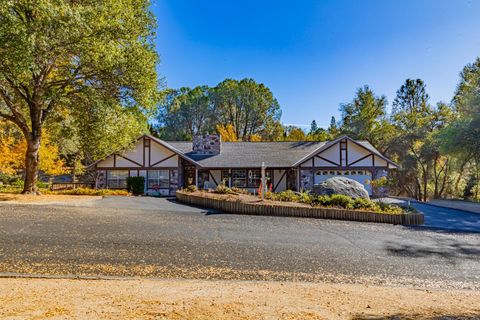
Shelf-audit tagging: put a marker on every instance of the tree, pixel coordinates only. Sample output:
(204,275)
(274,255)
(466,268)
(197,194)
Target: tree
(333,130)
(248,106)
(412,118)
(364,117)
(186,112)
(57,57)
(313,127)
(227,133)
(459,139)
(13,147)
(293,133)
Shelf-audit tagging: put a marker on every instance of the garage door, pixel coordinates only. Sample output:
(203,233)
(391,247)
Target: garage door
(362,176)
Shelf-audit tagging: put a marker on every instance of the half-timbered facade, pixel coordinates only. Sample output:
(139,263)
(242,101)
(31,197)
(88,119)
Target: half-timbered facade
(206,162)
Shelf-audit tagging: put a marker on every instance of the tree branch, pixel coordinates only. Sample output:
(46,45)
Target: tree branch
(16,116)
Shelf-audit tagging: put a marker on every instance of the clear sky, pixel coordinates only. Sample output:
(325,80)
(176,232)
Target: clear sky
(313,55)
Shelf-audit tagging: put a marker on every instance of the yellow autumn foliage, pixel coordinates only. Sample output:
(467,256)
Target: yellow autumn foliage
(227,132)
(13,149)
(255,138)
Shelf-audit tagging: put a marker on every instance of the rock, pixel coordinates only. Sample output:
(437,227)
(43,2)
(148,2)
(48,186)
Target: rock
(341,185)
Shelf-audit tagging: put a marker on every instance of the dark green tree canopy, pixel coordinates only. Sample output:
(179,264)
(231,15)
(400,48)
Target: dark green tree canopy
(248,106)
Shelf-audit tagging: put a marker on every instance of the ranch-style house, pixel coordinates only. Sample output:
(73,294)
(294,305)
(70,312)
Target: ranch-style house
(207,161)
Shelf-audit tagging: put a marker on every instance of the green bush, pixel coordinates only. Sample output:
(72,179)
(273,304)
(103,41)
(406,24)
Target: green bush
(10,179)
(136,185)
(391,208)
(42,185)
(223,189)
(191,188)
(341,201)
(91,192)
(365,204)
(287,196)
(305,197)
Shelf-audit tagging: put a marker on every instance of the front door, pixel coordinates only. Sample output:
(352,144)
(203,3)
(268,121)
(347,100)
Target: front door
(189,176)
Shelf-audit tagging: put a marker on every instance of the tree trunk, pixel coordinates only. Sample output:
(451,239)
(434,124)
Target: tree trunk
(32,162)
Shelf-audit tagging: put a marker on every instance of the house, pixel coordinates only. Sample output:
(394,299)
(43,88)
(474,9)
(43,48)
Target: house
(207,161)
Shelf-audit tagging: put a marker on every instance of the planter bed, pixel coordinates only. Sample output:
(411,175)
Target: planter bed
(244,204)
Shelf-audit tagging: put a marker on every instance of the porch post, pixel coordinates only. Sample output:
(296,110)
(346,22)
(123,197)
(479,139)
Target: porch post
(196,177)
(298,179)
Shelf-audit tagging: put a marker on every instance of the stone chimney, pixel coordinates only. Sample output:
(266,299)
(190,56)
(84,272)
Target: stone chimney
(207,144)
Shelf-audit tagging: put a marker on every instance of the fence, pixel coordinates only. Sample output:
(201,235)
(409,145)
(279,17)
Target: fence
(263,209)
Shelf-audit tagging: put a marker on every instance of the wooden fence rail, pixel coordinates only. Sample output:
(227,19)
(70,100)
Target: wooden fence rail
(263,209)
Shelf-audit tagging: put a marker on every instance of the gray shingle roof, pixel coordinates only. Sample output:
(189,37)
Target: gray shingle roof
(251,154)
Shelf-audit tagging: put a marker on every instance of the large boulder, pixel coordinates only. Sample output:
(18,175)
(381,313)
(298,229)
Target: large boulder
(341,185)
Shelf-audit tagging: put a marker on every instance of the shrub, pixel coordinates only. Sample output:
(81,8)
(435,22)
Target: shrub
(390,208)
(305,197)
(136,185)
(92,192)
(223,189)
(9,179)
(41,185)
(287,196)
(365,204)
(340,201)
(240,190)
(191,188)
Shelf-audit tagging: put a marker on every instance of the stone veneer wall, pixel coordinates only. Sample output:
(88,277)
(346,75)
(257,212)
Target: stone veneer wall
(207,144)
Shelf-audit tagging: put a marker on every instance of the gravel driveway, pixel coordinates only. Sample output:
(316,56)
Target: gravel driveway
(159,238)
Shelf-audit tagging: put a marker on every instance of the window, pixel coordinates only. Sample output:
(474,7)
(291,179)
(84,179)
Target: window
(239,178)
(226,177)
(117,179)
(203,179)
(254,178)
(158,179)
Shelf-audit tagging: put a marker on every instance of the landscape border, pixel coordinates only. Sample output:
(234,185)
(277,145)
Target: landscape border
(264,209)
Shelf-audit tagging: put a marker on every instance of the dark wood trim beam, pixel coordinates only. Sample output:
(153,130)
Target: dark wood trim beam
(132,161)
(329,161)
(164,159)
(358,160)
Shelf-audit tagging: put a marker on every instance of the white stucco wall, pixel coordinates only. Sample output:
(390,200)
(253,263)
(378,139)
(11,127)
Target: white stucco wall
(332,154)
(356,152)
(159,153)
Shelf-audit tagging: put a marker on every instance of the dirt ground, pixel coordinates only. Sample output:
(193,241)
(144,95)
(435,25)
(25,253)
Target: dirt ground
(22,298)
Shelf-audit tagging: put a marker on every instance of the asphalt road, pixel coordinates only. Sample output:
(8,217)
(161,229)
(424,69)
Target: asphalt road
(158,238)
(446,219)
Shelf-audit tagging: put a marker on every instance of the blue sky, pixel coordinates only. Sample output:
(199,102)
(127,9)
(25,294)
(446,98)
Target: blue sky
(313,55)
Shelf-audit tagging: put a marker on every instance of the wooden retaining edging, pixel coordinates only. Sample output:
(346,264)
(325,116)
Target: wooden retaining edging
(238,207)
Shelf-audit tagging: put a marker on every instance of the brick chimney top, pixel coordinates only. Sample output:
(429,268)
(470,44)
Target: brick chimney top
(207,144)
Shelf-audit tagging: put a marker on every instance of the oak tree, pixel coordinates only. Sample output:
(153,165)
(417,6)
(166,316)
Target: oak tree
(57,57)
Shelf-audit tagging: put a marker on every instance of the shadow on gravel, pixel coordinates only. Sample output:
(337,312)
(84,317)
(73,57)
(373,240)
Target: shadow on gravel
(207,212)
(416,317)
(446,248)
(441,230)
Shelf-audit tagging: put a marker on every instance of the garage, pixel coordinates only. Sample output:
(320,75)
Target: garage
(362,176)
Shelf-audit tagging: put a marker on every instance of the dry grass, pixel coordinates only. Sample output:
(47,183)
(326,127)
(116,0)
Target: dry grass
(197,299)
(44,198)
